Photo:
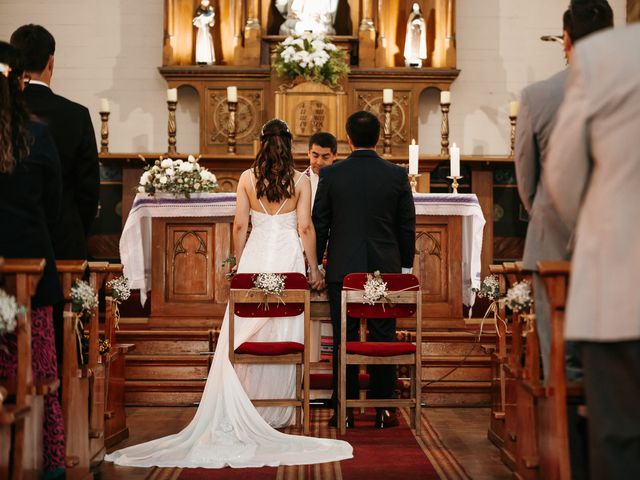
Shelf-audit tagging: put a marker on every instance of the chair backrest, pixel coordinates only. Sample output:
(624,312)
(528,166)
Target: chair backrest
(245,282)
(395,282)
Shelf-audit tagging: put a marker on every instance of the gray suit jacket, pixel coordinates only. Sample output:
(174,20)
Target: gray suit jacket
(547,236)
(593,178)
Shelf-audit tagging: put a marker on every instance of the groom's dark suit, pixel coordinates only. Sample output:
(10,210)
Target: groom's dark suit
(364,209)
(72,132)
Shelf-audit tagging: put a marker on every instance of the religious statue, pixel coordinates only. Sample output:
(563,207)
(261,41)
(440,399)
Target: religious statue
(204,20)
(415,43)
(316,16)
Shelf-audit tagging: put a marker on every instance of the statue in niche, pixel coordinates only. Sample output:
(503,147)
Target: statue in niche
(415,43)
(317,16)
(204,20)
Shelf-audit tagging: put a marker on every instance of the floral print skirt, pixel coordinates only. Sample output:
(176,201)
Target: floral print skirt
(43,351)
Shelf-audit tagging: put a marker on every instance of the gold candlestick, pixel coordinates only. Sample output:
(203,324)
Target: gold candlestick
(104,132)
(231,138)
(512,120)
(444,129)
(413,181)
(455,183)
(172,128)
(386,149)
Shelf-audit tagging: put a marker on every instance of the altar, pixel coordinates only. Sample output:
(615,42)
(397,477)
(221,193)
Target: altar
(173,251)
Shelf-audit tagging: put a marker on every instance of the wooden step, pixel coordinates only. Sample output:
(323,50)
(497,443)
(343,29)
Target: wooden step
(163,393)
(457,394)
(167,367)
(166,342)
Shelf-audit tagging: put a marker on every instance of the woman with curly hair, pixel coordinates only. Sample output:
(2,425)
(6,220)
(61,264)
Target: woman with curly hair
(30,193)
(227,429)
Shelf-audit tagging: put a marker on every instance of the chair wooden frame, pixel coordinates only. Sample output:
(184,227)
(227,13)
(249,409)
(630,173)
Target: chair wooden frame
(413,359)
(300,360)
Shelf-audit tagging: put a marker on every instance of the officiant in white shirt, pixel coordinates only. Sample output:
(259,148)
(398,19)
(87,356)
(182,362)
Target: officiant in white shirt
(322,152)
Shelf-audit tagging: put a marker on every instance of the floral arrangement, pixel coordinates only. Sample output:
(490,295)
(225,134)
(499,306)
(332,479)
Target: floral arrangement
(120,291)
(375,289)
(83,301)
(104,345)
(270,283)
(311,57)
(9,311)
(518,297)
(179,177)
(489,288)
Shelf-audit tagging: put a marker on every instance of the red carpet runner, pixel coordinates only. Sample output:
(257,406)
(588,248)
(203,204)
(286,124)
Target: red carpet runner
(387,454)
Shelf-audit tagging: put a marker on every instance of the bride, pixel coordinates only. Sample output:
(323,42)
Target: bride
(227,430)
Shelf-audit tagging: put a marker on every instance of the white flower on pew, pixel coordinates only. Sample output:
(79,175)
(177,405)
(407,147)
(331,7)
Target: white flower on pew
(489,288)
(120,291)
(269,283)
(9,310)
(518,297)
(83,299)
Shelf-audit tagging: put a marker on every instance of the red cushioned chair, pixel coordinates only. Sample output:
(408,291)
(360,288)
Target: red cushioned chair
(406,302)
(246,301)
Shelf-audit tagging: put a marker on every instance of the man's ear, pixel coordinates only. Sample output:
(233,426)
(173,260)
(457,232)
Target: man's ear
(50,64)
(568,45)
(350,144)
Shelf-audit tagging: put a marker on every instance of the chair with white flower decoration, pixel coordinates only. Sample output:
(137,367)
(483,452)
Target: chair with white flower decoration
(402,299)
(248,301)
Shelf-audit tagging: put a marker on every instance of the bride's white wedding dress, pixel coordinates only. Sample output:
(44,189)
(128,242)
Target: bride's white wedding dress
(227,429)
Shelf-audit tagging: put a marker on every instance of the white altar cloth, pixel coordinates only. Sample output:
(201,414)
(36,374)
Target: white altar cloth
(135,242)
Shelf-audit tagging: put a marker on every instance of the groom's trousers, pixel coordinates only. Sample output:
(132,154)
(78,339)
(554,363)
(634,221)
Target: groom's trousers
(382,378)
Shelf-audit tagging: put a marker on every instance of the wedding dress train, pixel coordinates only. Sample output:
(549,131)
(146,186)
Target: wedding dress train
(227,430)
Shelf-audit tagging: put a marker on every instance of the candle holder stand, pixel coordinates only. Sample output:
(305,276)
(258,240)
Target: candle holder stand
(512,120)
(444,130)
(172,128)
(104,132)
(231,137)
(413,181)
(455,184)
(386,149)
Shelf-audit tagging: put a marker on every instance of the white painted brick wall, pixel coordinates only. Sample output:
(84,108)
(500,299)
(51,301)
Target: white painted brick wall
(112,48)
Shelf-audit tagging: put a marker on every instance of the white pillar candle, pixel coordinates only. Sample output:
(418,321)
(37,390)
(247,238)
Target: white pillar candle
(232,94)
(387,95)
(445,96)
(172,95)
(514,108)
(454,154)
(104,105)
(414,151)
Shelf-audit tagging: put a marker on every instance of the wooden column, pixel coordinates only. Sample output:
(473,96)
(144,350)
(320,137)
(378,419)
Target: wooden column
(252,35)
(482,186)
(367,36)
(238,9)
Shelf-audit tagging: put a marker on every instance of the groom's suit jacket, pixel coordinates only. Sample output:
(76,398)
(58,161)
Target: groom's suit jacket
(364,209)
(72,132)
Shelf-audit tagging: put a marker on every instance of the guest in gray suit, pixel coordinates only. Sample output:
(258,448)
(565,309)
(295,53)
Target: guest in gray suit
(547,237)
(593,179)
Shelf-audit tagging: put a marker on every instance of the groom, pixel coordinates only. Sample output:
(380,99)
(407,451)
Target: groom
(364,209)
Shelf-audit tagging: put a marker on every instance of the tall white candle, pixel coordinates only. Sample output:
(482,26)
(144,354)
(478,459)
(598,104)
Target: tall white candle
(514,108)
(172,95)
(104,105)
(232,94)
(414,151)
(387,95)
(454,154)
(445,96)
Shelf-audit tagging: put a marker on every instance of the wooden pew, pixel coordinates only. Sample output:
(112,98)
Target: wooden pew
(98,273)
(496,432)
(553,430)
(115,416)
(21,422)
(75,381)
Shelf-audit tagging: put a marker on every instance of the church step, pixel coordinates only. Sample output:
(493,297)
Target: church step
(163,392)
(167,367)
(167,342)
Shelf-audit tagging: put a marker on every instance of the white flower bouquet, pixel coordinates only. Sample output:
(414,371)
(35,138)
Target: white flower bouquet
(270,283)
(518,297)
(9,311)
(311,57)
(83,299)
(489,288)
(179,177)
(120,291)
(375,289)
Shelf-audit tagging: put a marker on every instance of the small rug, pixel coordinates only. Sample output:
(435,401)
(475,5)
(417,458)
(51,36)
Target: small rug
(379,454)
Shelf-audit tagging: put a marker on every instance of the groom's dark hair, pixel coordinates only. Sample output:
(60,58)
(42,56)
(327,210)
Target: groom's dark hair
(36,45)
(363,129)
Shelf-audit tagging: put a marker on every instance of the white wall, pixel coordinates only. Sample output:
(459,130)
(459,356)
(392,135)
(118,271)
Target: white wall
(112,48)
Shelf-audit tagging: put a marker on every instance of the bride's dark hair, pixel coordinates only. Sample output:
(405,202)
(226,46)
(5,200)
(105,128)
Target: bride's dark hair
(273,167)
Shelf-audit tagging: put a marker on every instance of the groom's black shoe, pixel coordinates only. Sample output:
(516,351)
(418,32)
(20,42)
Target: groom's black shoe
(349,423)
(386,418)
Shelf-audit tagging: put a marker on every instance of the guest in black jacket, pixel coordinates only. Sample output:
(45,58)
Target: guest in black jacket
(72,131)
(30,192)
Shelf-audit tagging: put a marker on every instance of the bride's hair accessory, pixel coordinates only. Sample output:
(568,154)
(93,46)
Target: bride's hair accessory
(274,122)
(5,69)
